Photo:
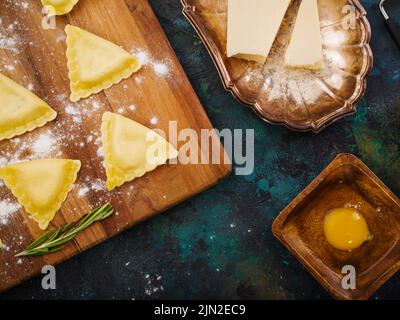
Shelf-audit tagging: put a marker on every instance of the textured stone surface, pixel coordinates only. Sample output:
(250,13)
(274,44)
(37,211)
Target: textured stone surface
(219,244)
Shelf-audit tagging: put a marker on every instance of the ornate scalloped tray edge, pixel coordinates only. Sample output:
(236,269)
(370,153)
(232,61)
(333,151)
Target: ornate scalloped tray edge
(301,102)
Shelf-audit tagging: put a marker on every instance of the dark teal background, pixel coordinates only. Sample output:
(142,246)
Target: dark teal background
(219,244)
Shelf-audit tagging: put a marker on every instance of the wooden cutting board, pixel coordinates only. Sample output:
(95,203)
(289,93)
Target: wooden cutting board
(160,92)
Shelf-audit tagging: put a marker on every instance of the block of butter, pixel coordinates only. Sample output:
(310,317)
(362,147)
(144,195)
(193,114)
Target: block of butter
(253,26)
(305,48)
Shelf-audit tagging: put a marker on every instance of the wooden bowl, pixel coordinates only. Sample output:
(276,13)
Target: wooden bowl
(346,181)
(299,99)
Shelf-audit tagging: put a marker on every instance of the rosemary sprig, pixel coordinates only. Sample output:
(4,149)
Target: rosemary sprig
(54,240)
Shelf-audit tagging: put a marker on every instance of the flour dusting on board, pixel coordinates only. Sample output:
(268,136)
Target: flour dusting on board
(8,42)
(32,148)
(83,191)
(4,246)
(74,112)
(44,144)
(22,4)
(142,56)
(90,186)
(7,209)
(160,67)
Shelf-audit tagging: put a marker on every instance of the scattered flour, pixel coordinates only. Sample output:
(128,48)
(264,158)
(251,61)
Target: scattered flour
(96,105)
(98,185)
(95,185)
(44,144)
(62,98)
(132,107)
(83,191)
(7,209)
(3,162)
(75,113)
(153,284)
(4,247)
(61,38)
(161,69)
(71,110)
(154,120)
(142,56)
(9,43)
(29,149)
(100,152)
(138,80)
(279,83)
(22,4)
(9,67)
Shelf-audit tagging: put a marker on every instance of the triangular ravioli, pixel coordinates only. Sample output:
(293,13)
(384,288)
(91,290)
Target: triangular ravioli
(131,149)
(59,7)
(41,186)
(20,110)
(94,63)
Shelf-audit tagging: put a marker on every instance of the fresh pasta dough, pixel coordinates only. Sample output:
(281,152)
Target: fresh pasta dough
(131,149)
(94,63)
(21,110)
(59,7)
(41,186)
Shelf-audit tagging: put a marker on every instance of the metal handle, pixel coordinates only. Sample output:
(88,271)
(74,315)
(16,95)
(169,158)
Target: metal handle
(393,28)
(382,8)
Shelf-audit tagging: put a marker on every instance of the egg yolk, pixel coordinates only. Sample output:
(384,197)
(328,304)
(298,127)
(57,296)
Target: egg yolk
(346,229)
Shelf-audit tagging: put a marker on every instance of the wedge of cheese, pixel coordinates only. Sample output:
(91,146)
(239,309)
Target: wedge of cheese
(253,26)
(305,48)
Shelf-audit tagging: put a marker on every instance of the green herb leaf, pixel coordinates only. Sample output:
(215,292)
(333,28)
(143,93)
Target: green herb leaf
(54,240)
